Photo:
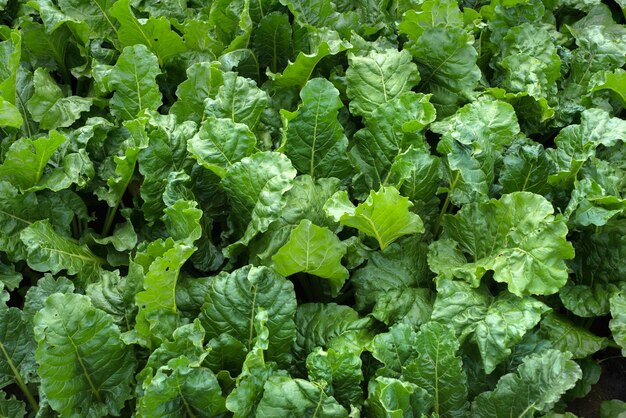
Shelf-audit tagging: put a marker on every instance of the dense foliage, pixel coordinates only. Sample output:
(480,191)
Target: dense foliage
(294,208)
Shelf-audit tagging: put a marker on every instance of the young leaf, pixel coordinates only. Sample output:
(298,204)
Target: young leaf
(85,367)
(384,215)
(314,250)
(618,323)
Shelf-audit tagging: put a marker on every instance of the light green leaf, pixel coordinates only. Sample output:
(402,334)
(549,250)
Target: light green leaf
(26,159)
(255,186)
(618,321)
(158,317)
(203,81)
(568,337)
(220,143)
(613,81)
(49,251)
(393,398)
(155,33)
(186,341)
(9,114)
(431,14)
(284,396)
(315,140)
(392,130)
(36,296)
(439,370)
(233,299)
(517,237)
(395,348)
(182,221)
(384,215)
(238,99)
(50,107)
(95,13)
(496,324)
(181,390)
(84,366)
(134,81)
(377,78)
(314,250)
(539,382)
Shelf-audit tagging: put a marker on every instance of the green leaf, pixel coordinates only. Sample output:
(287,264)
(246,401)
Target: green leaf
(115,296)
(84,366)
(400,267)
(154,33)
(49,251)
(377,78)
(384,215)
(36,296)
(203,81)
(134,81)
(612,81)
(439,370)
(496,324)
(323,44)
(317,324)
(272,41)
(50,107)
(284,396)
(395,348)
(393,398)
(95,13)
(233,300)
(516,237)
(181,390)
(392,130)
(430,14)
(575,144)
(341,370)
(567,337)
(613,409)
(158,317)
(11,407)
(539,382)
(315,140)
(26,159)
(314,250)
(526,168)
(446,60)
(404,305)
(618,321)
(255,186)
(238,99)
(220,143)
(17,348)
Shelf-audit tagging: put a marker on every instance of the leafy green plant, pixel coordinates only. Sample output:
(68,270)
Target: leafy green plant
(284,208)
